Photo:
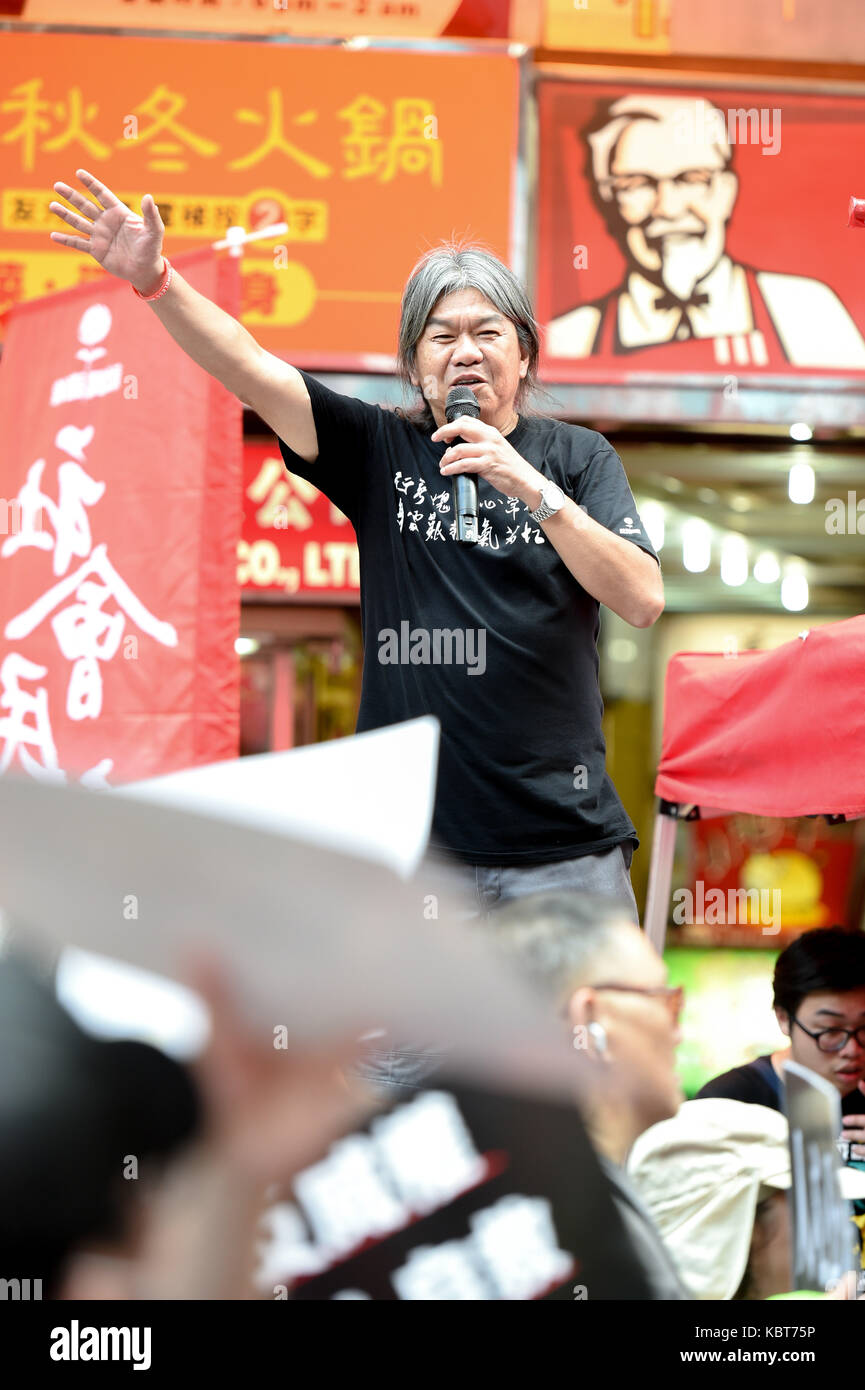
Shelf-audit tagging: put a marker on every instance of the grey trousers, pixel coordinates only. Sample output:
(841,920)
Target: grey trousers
(396,1069)
(608,873)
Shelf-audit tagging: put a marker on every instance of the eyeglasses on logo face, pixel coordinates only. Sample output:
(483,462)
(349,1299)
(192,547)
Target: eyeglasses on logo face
(639,188)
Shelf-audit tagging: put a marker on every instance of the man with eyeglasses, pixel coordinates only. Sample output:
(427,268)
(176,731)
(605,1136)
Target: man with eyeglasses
(662,178)
(819,1002)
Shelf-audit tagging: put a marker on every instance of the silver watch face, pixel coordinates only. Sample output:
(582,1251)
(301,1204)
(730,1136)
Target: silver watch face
(553,496)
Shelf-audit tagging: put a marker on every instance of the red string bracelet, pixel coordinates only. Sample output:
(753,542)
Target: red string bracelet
(167,275)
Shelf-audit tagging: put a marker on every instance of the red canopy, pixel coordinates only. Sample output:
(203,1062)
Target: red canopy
(778,733)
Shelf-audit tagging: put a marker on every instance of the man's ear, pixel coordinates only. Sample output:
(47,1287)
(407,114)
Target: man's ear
(783,1021)
(580,1008)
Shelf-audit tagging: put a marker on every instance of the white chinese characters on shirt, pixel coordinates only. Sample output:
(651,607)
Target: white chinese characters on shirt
(410,508)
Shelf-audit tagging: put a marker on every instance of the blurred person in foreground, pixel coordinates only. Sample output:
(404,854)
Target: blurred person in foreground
(126,1175)
(523,802)
(819,1002)
(715,1179)
(605,978)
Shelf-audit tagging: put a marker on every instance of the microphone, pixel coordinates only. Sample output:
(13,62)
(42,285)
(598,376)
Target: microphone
(461,400)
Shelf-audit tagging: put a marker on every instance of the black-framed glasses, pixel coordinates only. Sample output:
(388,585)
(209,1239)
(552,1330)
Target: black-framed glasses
(672,995)
(834,1039)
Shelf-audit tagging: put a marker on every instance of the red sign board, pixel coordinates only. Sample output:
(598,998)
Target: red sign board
(755,880)
(118,599)
(685,231)
(295,543)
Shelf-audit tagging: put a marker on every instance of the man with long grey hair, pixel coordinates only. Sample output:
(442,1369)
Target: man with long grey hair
(498,639)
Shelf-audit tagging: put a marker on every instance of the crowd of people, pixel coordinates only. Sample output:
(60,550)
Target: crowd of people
(701,1187)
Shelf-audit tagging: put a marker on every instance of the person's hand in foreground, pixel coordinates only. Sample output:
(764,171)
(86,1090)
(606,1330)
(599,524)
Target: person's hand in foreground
(269,1111)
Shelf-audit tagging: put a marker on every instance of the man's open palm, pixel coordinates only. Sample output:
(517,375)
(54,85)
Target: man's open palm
(123,243)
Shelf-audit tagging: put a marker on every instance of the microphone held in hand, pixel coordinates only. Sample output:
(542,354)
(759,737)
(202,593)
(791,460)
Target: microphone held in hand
(461,400)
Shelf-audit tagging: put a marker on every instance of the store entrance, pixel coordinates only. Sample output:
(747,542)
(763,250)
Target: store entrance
(300,676)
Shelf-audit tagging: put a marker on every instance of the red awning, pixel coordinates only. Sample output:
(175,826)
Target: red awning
(778,733)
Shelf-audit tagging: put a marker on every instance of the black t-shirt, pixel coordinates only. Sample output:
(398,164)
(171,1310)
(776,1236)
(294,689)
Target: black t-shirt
(497,639)
(757,1083)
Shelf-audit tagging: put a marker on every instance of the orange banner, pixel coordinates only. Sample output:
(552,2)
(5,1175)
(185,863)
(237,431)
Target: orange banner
(368,156)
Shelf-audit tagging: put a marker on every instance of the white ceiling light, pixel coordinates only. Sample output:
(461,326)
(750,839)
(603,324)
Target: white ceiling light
(800,431)
(654,518)
(623,650)
(245,646)
(794,590)
(766,568)
(801,483)
(734,560)
(696,545)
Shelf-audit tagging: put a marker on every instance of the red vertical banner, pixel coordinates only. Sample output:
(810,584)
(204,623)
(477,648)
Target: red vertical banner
(120,476)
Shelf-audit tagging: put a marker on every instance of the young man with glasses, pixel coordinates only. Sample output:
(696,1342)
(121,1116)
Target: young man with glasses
(819,1001)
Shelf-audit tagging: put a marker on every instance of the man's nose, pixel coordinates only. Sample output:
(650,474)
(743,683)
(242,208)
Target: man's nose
(853,1050)
(467,348)
(670,199)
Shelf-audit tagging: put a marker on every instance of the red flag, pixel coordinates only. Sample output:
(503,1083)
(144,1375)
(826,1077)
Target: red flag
(119,520)
(776,733)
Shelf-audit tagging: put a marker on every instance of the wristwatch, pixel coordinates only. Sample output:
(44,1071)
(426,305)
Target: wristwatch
(552,501)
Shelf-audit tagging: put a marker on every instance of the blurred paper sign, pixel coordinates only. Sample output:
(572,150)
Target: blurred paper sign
(319,942)
(370,795)
(823,1247)
(457,1194)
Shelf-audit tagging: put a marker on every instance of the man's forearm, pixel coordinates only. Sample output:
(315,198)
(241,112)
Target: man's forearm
(611,569)
(207,334)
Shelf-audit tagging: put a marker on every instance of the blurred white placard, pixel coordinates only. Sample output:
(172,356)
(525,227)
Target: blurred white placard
(370,795)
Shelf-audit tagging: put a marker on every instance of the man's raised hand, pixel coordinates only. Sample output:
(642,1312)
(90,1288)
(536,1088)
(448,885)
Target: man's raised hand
(123,243)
